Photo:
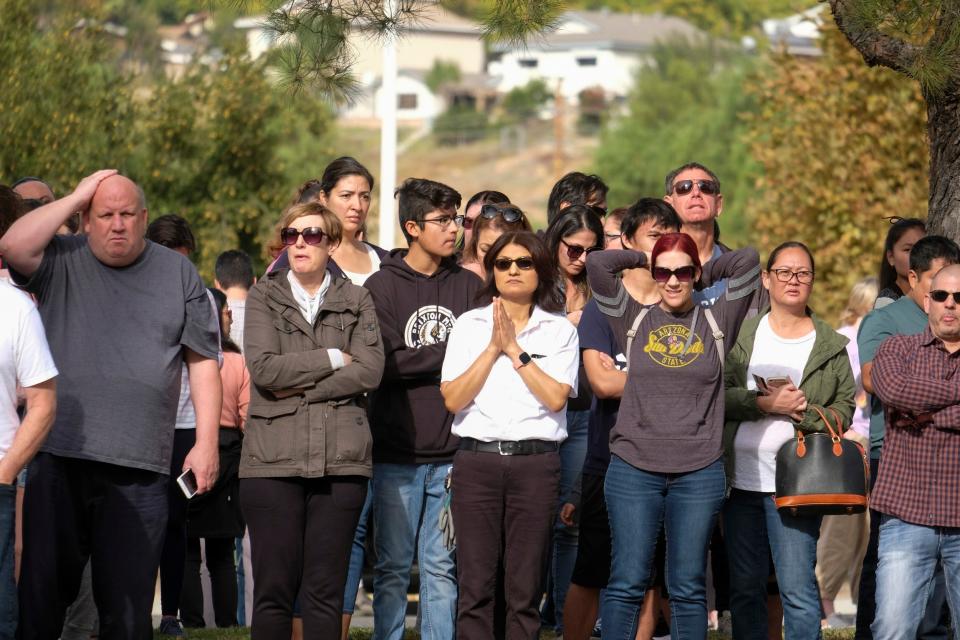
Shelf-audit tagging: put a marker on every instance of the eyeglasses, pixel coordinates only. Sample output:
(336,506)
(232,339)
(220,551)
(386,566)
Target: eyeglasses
(311,235)
(939,295)
(574,251)
(683,274)
(508,212)
(786,275)
(503,264)
(708,187)
(597,209)
(444,221)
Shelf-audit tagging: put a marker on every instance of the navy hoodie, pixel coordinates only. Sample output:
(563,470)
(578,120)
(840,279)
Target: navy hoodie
(409,421)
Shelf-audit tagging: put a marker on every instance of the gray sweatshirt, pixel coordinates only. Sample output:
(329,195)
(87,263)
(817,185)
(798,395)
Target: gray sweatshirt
(671,413)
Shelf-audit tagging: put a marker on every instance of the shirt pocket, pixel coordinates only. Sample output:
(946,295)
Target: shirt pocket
(336,330)
(353,440)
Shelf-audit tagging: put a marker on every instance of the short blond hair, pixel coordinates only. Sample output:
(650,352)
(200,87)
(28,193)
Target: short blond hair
(862,296)
(331,223)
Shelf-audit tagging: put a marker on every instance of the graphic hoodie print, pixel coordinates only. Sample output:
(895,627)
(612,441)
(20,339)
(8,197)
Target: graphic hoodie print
(416,312)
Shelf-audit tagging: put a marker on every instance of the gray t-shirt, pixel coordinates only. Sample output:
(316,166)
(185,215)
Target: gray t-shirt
(117,335)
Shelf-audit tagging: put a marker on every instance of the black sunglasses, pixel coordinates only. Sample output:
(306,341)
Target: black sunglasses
(708,187)
(503,264)
(939,295)
(509,213)
(311,235)
(683,274)
(574,251)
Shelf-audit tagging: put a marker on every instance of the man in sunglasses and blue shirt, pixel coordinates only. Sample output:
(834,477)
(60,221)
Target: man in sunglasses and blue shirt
(694,192)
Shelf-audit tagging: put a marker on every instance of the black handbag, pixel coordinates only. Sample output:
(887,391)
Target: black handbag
(822,473)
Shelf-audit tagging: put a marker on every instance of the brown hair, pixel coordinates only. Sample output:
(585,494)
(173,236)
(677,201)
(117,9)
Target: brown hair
(331,223)
(547,295)
(497,222)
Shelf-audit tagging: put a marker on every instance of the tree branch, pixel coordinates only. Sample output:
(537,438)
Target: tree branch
(877,48)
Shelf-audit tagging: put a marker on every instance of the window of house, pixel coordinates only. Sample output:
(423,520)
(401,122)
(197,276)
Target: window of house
(588,61)
(407,101)
(528,63)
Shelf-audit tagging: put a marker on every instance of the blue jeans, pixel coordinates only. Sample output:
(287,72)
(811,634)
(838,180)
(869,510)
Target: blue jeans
(905,575)
(407,499)
(563,551)
(639,503)
(8,588)
(752,525)
(357,552)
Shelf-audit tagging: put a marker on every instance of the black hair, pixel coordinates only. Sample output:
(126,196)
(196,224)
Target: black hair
(26,179)
(309,191)
(487,197)
(220,299)
(573,219)
(173,232)
(792,244)
(657,209)
(546,295)
(234,268)
(341,168)
(11,207)
(888,275)
(668,181)
(419,196)
(574,188)
(932,248)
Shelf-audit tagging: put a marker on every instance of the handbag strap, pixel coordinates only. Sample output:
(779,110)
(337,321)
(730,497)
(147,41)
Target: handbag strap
(834,433)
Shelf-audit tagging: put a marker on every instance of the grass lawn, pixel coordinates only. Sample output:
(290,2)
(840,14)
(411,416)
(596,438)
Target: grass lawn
(242,633)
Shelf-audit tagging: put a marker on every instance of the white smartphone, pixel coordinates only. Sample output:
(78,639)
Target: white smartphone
(188,483)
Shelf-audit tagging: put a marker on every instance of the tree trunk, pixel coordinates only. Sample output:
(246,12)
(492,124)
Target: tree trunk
(943,129)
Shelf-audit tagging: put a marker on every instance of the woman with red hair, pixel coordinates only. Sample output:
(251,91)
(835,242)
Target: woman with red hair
(666,468)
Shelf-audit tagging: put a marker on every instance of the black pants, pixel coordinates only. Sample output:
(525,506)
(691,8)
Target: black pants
(223,583)
(508,498)
(175,544)
(301,534)
(115,516)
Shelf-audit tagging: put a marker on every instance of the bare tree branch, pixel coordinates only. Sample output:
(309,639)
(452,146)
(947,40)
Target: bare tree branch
(877,48)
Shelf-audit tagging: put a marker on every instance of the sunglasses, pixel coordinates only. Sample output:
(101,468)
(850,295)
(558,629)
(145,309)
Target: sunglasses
(311,235)
(509,213)
(503,264)
(708,187)
(940,295)
(574,251)
(683,274)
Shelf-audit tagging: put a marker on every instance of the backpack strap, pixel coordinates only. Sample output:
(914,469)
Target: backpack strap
(717,335)
(633,332)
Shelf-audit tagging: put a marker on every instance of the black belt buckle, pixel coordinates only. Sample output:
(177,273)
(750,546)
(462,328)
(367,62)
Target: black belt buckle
(511,448)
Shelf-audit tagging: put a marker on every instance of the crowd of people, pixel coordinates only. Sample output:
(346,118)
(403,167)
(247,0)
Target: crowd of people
(576,428)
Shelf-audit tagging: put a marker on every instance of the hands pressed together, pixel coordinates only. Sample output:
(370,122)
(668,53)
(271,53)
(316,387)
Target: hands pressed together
(503,339)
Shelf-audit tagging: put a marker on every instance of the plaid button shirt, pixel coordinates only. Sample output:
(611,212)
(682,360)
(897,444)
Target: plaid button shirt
(919,479)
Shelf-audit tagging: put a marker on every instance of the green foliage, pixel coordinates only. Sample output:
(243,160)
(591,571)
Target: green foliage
(64,110)
(209,151)
(523,103)
(443,72)
(686,106)
(460,125)
(841,146)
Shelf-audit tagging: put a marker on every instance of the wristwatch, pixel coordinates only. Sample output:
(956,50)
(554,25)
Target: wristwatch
(522,360)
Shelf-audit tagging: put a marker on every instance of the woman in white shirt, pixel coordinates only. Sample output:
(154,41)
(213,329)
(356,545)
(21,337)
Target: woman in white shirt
(801,365)
(507,374)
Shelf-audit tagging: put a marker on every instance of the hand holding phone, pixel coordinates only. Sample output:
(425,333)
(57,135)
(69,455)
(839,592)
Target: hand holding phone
(188,483)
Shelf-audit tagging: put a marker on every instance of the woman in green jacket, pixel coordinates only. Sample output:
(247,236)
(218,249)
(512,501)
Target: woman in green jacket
(800,364)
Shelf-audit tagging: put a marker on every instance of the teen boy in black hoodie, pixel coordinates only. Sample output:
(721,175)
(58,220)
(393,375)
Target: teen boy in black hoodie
(418,292)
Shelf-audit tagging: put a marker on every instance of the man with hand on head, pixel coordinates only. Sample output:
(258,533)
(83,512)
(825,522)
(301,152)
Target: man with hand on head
(98,487)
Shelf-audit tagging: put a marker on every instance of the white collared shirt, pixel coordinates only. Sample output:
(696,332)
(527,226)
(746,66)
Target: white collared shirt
(505,409)
(310,307)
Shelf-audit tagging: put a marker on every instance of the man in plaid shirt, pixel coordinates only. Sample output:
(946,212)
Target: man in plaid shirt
(918,487)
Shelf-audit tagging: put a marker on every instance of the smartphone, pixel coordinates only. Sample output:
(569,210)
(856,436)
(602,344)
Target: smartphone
(782,381)
(188,483)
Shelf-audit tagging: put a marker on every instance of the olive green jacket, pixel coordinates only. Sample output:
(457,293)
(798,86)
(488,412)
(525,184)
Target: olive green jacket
(307,419)
(827,382)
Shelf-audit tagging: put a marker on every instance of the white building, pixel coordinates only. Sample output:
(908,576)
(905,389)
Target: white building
(589,49)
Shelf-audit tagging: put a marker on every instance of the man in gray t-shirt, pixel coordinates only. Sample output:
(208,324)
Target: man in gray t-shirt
(121,314)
